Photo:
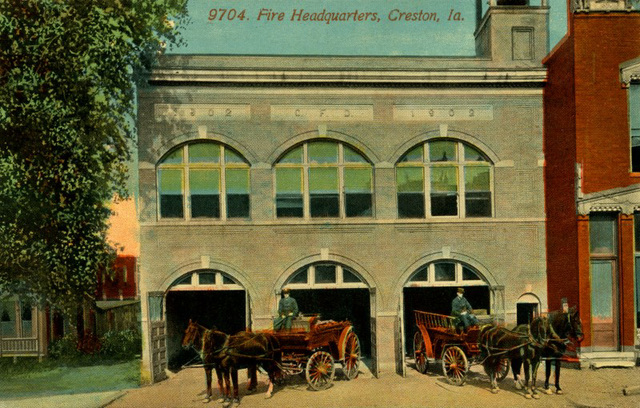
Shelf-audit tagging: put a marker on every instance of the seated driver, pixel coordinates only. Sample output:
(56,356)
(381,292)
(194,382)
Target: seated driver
(287,311)
(461,308)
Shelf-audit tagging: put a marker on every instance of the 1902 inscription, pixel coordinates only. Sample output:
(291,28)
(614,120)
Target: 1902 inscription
(437,113)
(202,111)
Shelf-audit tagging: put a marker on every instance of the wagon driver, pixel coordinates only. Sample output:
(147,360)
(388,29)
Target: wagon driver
(461,308)
(287,311)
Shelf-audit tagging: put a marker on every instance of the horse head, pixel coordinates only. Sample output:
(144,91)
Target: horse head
(575,324)
(192,334)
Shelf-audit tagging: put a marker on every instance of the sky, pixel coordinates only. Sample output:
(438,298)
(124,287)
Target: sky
(221,27)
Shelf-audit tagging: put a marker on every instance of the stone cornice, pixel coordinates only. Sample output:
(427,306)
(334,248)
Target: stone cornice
(630,72)
(596,6)
(625,200)
(445,76)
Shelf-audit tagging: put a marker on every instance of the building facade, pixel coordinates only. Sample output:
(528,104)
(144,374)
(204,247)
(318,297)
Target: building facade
(370,186)
(592,151)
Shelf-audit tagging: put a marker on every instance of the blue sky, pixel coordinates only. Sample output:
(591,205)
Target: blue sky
(232,32)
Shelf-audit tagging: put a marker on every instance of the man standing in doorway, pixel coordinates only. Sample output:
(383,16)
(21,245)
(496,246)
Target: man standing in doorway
(461,308)
(287,311)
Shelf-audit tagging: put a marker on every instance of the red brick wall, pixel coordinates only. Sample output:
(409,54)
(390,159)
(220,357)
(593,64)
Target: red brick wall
(586,122)
(114,284)
(585,277)
(602,42)
(560,158)
(626,283)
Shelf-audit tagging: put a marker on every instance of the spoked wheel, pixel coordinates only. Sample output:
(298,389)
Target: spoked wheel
(320,370)
(351,356)
(501,369)
(420,353)
(455,365)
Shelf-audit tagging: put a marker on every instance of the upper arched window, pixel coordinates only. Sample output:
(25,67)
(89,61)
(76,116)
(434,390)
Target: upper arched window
(446,273)
(323,179)
(212,177)
(444,178)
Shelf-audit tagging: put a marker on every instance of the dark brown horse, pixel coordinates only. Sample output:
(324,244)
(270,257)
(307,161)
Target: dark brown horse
(248,349)
(562,328)
(229,353)
(497,343)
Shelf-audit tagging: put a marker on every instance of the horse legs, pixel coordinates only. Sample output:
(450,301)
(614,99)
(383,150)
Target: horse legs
(227,385)
(219,374)
(534,377)
(207,374)
(253,378)
(271,380)
(558,363)
(492,364)
(516,366)
(234,378)
(547,374)
(527,377)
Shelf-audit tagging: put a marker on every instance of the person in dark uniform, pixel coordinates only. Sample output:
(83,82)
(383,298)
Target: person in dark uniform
(461,308)
(287,311)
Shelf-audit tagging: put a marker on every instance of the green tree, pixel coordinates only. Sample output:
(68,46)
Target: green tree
(68,71)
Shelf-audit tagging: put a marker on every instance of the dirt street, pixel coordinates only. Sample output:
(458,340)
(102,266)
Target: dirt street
(582,388)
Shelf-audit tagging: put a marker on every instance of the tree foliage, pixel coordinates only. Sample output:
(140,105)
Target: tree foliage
(68,70)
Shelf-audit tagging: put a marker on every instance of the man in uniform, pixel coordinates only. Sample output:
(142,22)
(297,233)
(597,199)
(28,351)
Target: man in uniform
(287,311)
(461,308)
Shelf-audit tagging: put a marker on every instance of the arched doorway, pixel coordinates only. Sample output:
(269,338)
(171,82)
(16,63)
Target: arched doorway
(527,308)
(336,292)
(432,287)
(210,297)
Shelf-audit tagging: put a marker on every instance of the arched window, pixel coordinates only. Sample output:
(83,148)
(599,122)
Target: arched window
(323,179)
(325,275)
(444,178)
(445,273)
(206,279)
(213,177)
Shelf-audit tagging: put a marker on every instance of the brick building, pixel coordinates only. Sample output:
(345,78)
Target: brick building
(592,174)
(371,186)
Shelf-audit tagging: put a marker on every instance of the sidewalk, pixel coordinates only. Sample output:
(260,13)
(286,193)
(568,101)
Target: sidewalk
(88,400)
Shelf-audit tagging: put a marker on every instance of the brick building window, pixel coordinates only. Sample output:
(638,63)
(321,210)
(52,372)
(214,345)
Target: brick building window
(444,178)
(203,180)
(323,179)
(634,125)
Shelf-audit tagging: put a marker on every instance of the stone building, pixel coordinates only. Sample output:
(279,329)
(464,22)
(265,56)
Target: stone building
(370,186)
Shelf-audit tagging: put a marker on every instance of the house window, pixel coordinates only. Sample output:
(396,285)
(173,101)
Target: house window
(8,318)
(444,178)
(323,179)
(203,180)
(634,125)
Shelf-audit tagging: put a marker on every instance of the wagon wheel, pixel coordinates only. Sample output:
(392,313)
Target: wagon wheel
(420,353)
(320,370)
(351,355)
(455,365)
(501,369)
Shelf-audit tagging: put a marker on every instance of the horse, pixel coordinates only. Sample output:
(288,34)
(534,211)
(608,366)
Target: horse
(210,344)
(562,328)
(228,353)
(251,350)
(497,343)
